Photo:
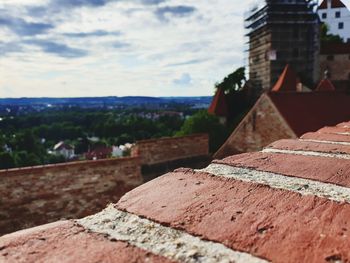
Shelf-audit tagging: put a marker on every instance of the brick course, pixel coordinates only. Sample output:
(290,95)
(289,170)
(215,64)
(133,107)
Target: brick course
(37,195)
(287,203)
(169,149)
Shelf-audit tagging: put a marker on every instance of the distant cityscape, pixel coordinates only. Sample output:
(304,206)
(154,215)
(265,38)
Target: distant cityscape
(13,106)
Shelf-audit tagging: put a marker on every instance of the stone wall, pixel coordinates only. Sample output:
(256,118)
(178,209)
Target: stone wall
(338,66)
(37,195)
(165,150)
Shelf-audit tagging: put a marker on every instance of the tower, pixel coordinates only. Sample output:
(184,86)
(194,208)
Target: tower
(282,32)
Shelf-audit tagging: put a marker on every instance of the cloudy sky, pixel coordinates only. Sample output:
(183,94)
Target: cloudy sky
(67,48)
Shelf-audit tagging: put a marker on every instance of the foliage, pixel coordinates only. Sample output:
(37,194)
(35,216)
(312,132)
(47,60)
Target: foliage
(6,160)
(233,82)
(202,122)
(28,137)
(330,38)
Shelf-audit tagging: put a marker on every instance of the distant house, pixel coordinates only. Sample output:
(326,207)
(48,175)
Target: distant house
(64,149)
(126,148)
(99,153)
(7,148)
(336,15)
(117,151)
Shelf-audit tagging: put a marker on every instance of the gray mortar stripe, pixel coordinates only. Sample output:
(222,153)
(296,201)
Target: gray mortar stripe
(326,142)
(278,181)
(308,153)
(160,240)
(343,133)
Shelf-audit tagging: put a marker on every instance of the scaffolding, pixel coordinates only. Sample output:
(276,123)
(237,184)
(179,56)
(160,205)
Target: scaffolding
(281,32)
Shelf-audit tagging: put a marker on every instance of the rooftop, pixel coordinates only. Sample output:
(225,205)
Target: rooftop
(287,81)
(219,105)
(334,4)
(335,48)
(325,85)
(287,203)
(311,111)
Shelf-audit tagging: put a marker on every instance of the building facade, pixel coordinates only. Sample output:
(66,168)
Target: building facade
(335,64)
(285,115)
(280,33)
(336,16)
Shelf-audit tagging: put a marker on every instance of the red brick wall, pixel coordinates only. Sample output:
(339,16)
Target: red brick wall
(37,195)
(169,149)
(288,203)
(262,126)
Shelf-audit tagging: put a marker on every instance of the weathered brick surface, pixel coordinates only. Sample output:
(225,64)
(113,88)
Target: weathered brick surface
(169,149)
(294,145)
(38,195)
(325,169)
(335,130)
(326,137)
(262,126)
(66,242)
(288,203)
(274,224)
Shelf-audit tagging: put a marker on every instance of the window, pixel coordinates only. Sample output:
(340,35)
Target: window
(341,25)
(337,14)
(324,15)
(256,59)
(330,57)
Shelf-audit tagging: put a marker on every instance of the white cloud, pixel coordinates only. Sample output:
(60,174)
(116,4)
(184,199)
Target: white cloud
(135,52)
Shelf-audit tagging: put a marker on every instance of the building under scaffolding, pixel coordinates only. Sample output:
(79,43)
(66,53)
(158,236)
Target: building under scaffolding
(282,32)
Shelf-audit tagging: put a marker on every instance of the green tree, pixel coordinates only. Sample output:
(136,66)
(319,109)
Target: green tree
(23,159)
(54,159)
(202,122)
(6,160)
(233,82)
(326,37)
(27,141)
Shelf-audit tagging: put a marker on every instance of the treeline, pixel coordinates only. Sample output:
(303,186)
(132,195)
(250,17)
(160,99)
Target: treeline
(25,140)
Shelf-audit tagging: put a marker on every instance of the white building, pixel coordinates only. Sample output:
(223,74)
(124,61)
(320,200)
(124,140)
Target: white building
(64,149)
(117,152)
(337,16)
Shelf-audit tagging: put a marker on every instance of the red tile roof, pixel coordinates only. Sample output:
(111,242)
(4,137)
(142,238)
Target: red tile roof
(311,111)
(325,85)
(335,48)
(99,153)
(219,106)
(287,81)
(334,4)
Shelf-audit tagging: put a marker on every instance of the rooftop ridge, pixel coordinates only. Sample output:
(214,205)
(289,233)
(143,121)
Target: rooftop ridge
(267,206)
(287,81)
